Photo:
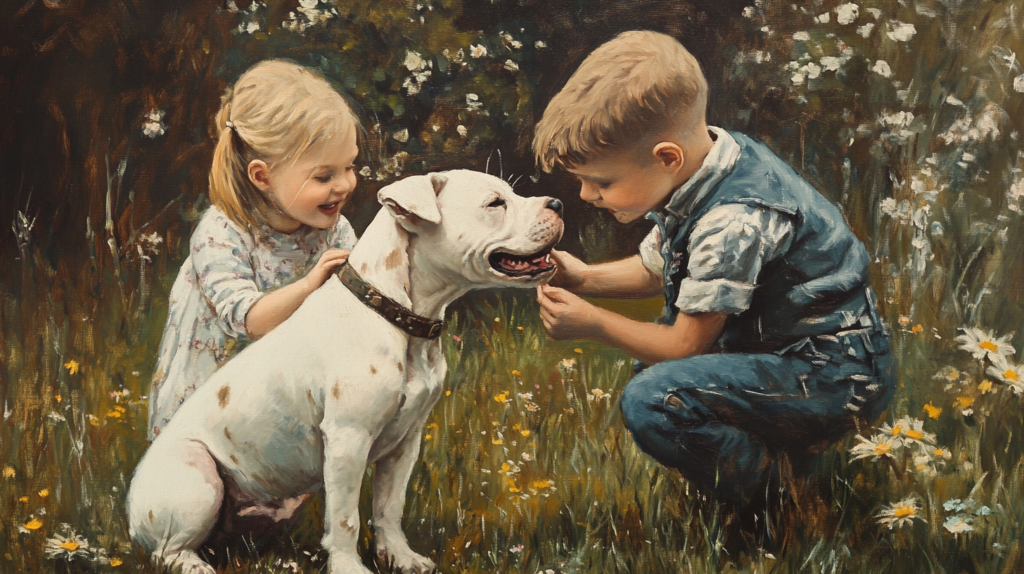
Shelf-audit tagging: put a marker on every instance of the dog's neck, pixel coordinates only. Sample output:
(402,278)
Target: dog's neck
(386,258)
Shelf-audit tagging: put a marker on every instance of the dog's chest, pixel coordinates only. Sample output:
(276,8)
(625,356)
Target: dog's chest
(423,384)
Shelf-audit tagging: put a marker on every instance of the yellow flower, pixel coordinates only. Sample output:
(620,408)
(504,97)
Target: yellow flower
(115,562)
(578,350)
(963,402)
(497,441)
(515,373)
(505,467)
(33,524)
(985,386)
(119,409)
(8,472)
(44,493)
(69,545)
(23,499)
(539,484)
(501,397)
(917,329)
(428,437)
(71,366)
(513,488)
(447,393)
(114,414)
(933,411)
(57,397)
(524,432)
(519,328)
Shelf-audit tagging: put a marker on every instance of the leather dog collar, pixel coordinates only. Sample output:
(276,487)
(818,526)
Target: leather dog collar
(388,308)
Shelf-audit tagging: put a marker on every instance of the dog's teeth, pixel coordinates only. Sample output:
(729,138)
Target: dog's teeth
(547,258)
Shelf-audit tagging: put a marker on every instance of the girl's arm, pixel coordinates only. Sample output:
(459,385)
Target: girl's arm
(273,308)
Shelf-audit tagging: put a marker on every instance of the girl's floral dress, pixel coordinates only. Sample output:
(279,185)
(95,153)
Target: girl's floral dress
(228,269)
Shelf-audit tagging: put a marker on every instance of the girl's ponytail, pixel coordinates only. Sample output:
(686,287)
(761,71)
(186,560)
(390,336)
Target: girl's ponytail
(230,188)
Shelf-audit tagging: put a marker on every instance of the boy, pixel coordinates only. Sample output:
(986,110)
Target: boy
(769,344)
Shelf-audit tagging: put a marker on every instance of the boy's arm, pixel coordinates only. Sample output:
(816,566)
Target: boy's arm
(624,279)
(566,316)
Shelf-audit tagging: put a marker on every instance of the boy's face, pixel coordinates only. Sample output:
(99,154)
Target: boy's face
(628,185)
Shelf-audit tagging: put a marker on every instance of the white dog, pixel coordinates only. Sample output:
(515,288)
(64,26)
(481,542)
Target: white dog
(338,385)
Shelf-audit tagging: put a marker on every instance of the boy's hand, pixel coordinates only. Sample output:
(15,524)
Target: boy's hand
(571,271)
(566,316)
(328,261)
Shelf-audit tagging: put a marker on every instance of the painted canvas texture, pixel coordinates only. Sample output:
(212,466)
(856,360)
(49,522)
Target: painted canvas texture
(535,449)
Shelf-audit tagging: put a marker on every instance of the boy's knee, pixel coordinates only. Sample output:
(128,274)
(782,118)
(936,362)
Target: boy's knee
(650,400)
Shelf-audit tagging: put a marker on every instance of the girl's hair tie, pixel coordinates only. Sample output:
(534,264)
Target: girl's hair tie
(230,125)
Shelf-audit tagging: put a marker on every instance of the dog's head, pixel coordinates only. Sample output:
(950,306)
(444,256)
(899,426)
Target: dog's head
(470,224)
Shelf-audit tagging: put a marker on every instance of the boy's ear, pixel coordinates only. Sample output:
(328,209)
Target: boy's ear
(413,199)
(669,154)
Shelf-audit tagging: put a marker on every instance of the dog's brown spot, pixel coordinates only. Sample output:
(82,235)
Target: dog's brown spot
(227,433)
(309,395)
(222,396)
(336,390)
(393,259)
(363,268)
(400,367)
(150,516)
(233,459)
(348,526)
(373,370)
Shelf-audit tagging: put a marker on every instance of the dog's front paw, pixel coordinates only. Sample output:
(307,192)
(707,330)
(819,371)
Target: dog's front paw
(348,565)
(394,555)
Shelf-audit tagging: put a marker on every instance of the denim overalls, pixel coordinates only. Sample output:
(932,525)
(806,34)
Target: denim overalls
(794,372)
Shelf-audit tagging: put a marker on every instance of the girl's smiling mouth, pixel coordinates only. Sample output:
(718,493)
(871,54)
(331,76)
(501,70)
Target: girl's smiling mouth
(329,208)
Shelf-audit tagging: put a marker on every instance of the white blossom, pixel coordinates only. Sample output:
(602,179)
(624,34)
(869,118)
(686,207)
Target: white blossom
(477,51)
(813,70)
(511,66)
(865,30)
(823,18)
(749,12)
(462,130)
(540,44)
(401,135)
(831,63)
(802,36)
(875,12)
(882,68)
(1018,83)
(901,31)
(797,79)
(414,61)
(847,13)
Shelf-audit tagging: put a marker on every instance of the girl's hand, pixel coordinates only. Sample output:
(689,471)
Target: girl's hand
(328,261)
(571,273)
(565,315)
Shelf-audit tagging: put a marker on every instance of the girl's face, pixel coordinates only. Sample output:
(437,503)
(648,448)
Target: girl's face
(312,189)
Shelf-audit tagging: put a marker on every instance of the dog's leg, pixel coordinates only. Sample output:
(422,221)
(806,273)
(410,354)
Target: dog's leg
(173,504)
(346,449)
(389,486)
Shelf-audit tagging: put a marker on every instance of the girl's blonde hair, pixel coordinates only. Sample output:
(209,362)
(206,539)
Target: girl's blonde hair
(275,112)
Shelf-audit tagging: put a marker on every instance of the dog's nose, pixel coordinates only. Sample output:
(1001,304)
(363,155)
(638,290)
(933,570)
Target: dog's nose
(555,205)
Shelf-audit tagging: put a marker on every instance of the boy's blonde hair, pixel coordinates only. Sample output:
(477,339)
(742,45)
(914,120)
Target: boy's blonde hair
(637,85)
(275,112)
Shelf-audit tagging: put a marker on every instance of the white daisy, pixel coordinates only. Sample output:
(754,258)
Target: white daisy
(1012,375)
(981,343)
(877,447)
(899,513)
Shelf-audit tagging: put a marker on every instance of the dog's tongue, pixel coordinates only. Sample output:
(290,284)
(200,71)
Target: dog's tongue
(522,264)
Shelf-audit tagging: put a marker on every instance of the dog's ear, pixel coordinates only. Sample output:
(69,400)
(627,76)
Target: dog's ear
(413,199)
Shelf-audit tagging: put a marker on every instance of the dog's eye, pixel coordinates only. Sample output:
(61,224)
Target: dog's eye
(497,203)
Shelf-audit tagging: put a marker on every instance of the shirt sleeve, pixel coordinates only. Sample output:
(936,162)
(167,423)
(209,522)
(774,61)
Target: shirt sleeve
(650,252)
(222,256)
(728,247)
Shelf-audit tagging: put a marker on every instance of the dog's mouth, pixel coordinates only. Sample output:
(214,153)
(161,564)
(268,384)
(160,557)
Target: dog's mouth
(522,265)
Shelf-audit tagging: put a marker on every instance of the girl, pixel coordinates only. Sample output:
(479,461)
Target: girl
(282,169)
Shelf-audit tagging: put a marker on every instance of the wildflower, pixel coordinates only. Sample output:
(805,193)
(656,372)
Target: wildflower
(66,547)
(917,329)
(912,430)
(71,366)
(899,513)
(540,44)
(515,373)
(877,447)
(958,524)
(598,394)
(981,344)
(831,63)
(44,493)
(1012,375)
(23,499)
(847,13)
(462,130)
(516,549)
(8,472)
(901,31)
(932,410)
(414,61)
(477,51)
(963,402)
(154,126)
(985,386)
(1018,83)
(942,453)
(567,367)
(882,68)
(865,30)
(501,397)
(525,432)
(540,484)
(115,562)
(802,37)
(527,456)
(456,338)
(473,102)
(511,66)
(33,524)
(401,135)
(822,18)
